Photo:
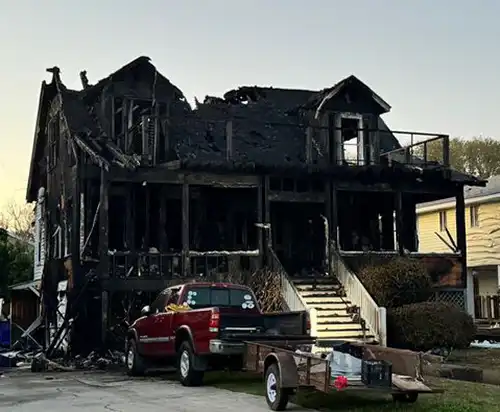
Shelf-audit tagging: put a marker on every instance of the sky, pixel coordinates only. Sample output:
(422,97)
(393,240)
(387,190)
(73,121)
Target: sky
(436,62)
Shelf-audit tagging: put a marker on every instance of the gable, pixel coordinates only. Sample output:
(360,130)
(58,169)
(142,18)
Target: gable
(348,95)
(47,94)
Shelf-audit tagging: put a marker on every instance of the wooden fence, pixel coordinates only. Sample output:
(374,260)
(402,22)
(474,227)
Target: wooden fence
(487,307)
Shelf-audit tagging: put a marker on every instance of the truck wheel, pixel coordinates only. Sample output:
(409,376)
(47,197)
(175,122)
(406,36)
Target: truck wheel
(276,397)
(405,397)
(136,366)
(187,375)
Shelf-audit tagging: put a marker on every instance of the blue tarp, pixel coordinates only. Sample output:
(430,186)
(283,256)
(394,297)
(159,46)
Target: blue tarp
(5,334)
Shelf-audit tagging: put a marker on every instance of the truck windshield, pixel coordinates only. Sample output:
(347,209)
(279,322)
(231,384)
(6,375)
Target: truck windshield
(200,297)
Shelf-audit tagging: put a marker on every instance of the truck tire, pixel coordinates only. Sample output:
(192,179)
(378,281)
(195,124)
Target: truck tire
(188,376)
(136,366)
(276,396)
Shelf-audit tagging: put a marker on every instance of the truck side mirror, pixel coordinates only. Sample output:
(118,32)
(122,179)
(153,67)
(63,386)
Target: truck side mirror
(146,310)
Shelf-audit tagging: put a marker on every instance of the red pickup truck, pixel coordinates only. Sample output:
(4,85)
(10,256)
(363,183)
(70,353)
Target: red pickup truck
(202,326)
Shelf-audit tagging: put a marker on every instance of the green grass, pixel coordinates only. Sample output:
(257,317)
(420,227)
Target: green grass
(458,396)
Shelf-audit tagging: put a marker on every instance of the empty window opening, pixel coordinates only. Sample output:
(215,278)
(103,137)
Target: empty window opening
(443,224)
(474,216)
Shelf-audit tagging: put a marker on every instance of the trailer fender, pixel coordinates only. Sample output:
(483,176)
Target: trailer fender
(289,376)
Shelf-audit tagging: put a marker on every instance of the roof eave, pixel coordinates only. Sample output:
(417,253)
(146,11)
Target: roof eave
(30,197)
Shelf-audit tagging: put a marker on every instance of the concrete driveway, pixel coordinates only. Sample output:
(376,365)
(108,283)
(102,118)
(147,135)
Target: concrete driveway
(23,391)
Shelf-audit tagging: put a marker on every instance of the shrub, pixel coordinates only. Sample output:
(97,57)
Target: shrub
(398,281)
(429,325)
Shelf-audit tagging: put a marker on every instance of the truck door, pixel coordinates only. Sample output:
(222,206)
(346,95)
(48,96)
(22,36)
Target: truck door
(149,333)
(164,332)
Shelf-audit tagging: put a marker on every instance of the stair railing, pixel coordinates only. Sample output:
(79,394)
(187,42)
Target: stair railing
(374,315)
(288,290)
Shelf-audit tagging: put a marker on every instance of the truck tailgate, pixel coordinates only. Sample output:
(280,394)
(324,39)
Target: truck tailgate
(251,326)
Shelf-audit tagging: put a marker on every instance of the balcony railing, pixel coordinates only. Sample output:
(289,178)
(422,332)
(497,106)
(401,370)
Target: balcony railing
(431,151)
(313,144)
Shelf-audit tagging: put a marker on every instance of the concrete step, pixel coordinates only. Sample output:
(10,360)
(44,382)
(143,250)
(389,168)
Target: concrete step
(330,312)
(338,326)
(321,301)
(326,319)
(339,306)
(324,345)
(327,280)
(342,334)
(325,293)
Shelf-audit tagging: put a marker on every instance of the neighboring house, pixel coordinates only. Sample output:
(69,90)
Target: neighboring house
(482,222)
(134,185)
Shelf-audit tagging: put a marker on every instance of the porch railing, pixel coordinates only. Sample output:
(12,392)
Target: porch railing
(126,264)
(487,307)
(373,315)
(144,264)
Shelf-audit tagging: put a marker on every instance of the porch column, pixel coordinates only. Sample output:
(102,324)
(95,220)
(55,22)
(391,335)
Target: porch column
(267,213)
(399,221)
(103,249)
(469,294)
(103,224)
(498,278)
(129,219)
(75,230)
(260,219)
(334,225)
(461,234)
(185,230)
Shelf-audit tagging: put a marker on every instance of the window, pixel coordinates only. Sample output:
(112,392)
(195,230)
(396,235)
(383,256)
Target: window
(474,216)
(203,297)
(442,221)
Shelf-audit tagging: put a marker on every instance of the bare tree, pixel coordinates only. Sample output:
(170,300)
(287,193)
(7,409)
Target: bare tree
(19,219)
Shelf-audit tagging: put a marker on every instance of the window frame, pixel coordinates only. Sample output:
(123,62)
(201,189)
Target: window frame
(443,221)
(474,215)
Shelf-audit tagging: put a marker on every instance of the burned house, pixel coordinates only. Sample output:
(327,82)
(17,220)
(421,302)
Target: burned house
(139,189)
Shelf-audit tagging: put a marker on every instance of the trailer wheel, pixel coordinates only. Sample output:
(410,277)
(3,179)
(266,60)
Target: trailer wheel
(136,366)
(405,397)
(276,396)
(188,376)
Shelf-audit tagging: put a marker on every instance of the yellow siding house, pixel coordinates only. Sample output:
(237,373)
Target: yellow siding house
(482,218)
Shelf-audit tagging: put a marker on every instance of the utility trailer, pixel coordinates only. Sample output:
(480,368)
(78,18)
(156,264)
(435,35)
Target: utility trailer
(285,371)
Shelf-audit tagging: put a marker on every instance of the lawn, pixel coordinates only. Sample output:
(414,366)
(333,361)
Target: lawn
(481,357)
(458,396)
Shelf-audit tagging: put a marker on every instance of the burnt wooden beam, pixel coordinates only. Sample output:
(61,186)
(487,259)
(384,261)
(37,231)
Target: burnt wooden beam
(147,217)
(75,224)
(461,232)
(334,217)
(104,316)
(308,148)
(229,140)
(161,174)
(267,213)
(185,230)
(163,218)
(103,224)
(285,196)
(129,219)
(260,217)
(398,206)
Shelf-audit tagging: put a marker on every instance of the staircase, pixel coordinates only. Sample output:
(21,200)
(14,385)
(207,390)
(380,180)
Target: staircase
(333,317)
(340,308)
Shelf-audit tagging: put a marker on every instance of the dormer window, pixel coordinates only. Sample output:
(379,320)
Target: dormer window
(349,144)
